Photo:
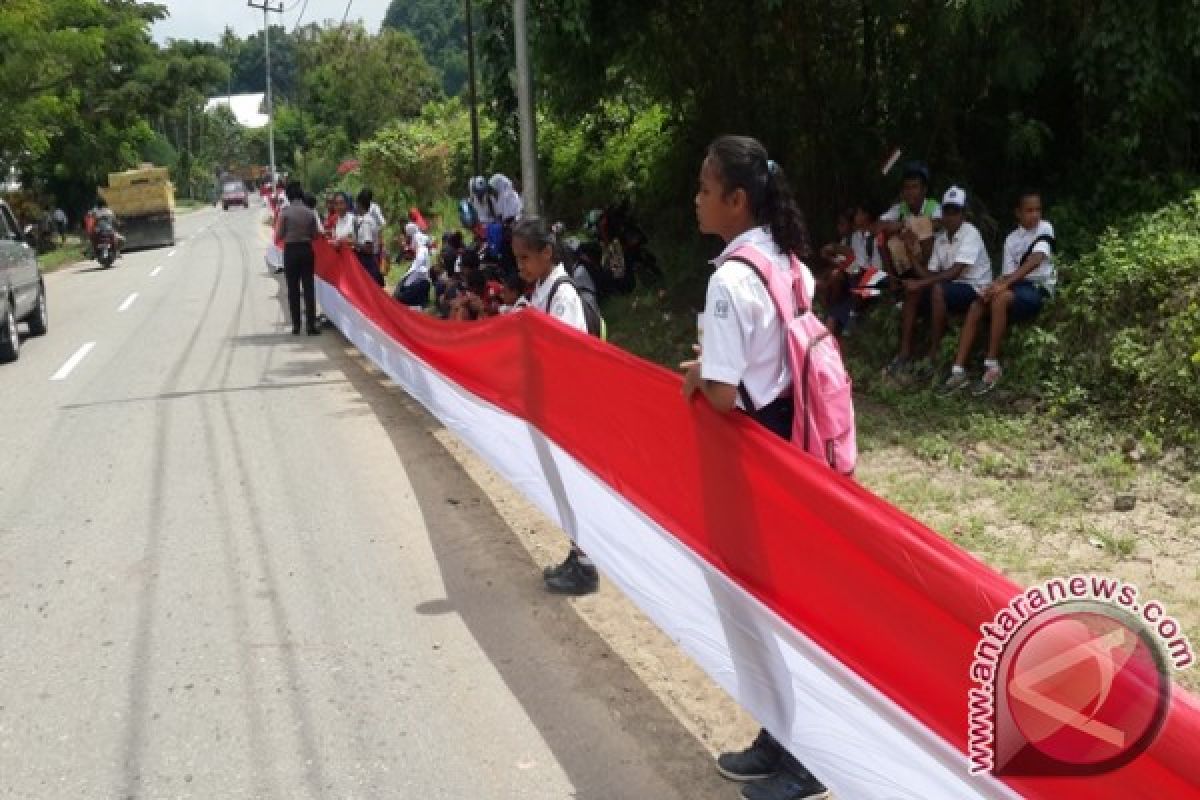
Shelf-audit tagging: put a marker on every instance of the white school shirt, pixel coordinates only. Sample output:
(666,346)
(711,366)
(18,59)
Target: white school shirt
(966,247)
(743,335)
(345,227)
(864,257)
(420,265)
(568,305)
(1017,244)
(366,230)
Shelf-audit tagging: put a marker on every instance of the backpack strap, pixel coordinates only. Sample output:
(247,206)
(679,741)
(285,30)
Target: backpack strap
(1045,237)
(558,284)
(751,257)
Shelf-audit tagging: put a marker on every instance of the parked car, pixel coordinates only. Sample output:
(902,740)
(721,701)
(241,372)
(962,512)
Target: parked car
(233,193)
(22,291)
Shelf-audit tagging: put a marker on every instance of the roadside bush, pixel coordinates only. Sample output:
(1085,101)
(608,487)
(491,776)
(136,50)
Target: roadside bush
(420,161)
(1129,323)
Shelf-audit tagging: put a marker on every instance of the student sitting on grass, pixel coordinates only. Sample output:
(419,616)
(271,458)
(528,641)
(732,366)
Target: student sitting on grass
(1028,279)
(908,226)
(959,272)
(859,275)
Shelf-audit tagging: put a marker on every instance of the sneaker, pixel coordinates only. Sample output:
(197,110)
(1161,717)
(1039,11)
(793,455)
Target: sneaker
(991,377)
(956,382)
(792,784)
(550,572)
(577,579)
(758,761)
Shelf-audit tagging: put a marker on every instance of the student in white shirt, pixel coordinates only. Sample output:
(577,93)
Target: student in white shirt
(1028,278)
(554,294)
(413,289)
(959,270)
(744,199)
(367,233)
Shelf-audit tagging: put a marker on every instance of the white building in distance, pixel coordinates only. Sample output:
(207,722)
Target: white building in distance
(248,109)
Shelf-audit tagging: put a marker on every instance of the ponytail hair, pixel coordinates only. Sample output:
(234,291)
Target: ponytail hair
(742,163)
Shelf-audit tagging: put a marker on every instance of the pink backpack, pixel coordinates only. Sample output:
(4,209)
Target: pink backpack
(824,422)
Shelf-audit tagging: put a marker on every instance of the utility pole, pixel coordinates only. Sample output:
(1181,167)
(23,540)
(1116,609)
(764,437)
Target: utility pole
(269,7)
(529,171)
(471,91)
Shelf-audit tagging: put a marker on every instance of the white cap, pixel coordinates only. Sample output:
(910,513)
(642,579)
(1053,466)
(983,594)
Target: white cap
(955,196)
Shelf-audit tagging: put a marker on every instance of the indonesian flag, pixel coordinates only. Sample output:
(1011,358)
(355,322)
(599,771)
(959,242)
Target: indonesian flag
(870,283)
(843,625)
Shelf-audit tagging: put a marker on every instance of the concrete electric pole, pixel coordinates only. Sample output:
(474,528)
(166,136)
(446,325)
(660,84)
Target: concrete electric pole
(529,170)
(268,7)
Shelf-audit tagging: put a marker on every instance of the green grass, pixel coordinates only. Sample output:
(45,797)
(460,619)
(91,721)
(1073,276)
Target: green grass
(64,256)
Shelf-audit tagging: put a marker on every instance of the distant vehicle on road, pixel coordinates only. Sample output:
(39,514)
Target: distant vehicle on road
(22,292)
(233,193)
(144,201)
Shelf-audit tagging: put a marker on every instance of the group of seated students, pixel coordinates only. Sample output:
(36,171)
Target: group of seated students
(935,262)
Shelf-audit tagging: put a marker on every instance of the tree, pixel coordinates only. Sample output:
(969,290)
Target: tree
(440,28)
(357,82)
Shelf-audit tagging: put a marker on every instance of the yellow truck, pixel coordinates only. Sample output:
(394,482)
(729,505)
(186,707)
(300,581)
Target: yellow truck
(144,201)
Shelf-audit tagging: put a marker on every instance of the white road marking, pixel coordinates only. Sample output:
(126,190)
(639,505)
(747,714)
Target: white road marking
(128,302)
(72,362)
(155,271)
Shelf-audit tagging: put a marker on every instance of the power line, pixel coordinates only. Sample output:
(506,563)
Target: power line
(300,18)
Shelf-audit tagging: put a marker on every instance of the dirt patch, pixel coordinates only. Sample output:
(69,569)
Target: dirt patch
(1035,513)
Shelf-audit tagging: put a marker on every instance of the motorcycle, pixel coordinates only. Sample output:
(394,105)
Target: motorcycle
(104,246)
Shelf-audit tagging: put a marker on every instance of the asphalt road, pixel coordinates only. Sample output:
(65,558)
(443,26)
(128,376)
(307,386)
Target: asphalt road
(235,564)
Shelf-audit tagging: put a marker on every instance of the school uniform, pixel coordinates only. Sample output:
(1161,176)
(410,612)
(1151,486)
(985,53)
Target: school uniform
(566,304)
(965,246)
(743,336)
(413,289)
(743,345)
(866,252)
(576,575)
(366,238)
(1030,294)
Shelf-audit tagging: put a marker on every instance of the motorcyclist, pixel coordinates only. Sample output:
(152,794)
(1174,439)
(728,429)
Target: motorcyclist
(106,222)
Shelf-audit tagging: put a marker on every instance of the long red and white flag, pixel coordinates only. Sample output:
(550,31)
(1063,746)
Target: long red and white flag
(843,625)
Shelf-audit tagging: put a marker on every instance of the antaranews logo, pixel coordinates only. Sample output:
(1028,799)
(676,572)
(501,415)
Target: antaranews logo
(1073,677)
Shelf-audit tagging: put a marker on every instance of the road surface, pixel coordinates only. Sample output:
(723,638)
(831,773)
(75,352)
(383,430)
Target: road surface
(235,563)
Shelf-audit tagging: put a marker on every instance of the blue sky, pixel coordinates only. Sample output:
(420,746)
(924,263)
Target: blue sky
(206,19)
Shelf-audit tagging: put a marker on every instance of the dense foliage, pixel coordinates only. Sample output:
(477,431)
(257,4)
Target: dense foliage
(439,26)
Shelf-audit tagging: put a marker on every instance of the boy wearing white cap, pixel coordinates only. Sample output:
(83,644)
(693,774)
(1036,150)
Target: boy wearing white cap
(959,271)
(1028,279)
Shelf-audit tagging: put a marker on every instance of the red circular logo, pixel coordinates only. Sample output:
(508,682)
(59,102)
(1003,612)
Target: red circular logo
(1085,691)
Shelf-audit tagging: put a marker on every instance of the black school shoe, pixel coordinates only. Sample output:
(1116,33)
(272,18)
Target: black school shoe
(550,572)
(574,578)
(760,760)
(793,783)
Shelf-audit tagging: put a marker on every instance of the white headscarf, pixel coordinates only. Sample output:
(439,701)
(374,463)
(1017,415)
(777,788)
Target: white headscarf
(508,202)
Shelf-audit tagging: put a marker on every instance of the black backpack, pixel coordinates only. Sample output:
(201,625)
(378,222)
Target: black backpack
(595,322)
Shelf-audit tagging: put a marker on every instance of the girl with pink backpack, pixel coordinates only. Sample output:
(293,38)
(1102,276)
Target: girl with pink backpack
(755,325)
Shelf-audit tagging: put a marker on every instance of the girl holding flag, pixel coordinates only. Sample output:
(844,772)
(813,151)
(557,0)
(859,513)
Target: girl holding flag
(744,198)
